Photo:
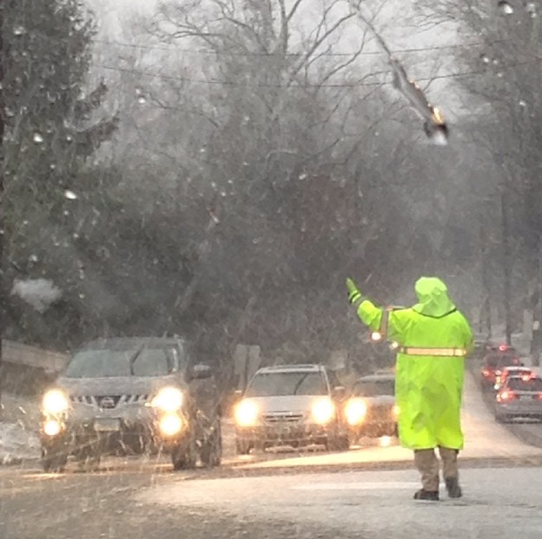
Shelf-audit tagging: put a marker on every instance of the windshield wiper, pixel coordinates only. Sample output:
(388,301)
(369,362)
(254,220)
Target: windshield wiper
(298,385)
(134,358)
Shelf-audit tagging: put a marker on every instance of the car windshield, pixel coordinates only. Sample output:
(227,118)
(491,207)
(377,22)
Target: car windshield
(375,388)
(515,371)
(106,363)
(279,384)
(519,384)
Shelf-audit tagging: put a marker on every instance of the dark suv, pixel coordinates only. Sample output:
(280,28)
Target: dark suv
(132,395)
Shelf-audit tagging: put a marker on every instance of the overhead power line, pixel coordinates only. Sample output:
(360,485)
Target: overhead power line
(359,84)
(207,52)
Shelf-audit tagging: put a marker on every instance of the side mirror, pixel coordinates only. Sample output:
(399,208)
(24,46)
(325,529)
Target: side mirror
(339,392)
(201,372)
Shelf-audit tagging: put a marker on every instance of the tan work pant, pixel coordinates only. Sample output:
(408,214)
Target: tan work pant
(428,466)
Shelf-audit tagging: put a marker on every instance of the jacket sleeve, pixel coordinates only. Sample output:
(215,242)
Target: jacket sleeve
(371,316)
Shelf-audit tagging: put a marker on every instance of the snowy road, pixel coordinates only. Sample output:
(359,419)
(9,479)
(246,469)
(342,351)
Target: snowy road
(497,502)
(365,505)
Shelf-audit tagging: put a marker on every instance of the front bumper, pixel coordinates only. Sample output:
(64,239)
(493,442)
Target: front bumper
(284,434)
(135,428)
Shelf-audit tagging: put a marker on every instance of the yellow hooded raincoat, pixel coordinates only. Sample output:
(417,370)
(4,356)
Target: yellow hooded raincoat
(434,338)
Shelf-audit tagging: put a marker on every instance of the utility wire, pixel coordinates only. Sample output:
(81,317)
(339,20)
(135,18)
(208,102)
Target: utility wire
(295,54)
(309,85)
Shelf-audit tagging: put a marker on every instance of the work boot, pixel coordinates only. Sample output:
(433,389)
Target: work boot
(453,488)
(426,495)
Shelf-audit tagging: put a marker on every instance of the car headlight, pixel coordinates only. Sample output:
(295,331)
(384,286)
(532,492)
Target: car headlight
(355,411)
(246,413)
(168,399)
(171,424)
(55,402)
(52,428)
(323,411)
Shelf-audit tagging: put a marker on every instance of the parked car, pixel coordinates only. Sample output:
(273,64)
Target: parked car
(371,410)
(519,397)
(291,405)
(494,361)
(132,395)
(511,371)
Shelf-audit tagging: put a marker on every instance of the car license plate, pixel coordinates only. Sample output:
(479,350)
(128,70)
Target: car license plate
(106,425)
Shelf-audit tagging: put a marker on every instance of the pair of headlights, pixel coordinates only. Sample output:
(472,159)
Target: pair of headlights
(168,399)
(247,412)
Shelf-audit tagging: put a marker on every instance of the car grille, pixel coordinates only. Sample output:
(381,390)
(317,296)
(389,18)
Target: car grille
(283,418)
(109,401)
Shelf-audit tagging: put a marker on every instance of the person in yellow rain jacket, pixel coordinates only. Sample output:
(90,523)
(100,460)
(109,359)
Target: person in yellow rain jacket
(433,338)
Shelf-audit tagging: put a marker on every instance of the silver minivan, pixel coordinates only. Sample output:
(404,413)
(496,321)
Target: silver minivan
(292,405)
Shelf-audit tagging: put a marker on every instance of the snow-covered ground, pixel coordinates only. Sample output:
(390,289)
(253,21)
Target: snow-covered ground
(17,444)
(18,430)
(497,503)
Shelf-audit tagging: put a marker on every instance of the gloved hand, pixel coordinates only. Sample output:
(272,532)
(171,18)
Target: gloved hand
(353,292)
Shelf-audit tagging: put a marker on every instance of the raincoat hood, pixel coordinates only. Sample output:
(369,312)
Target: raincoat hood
(433,297)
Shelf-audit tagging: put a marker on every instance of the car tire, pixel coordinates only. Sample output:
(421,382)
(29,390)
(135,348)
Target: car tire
(211,451)
(184,456)
(338,443)
(53,462)
(88,460)
(242,448)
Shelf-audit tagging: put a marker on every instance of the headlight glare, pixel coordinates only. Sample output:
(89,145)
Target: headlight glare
(355,411)
(246,413)
(55,402)
(171,424)
(323,411)
(168,399)
(52,427)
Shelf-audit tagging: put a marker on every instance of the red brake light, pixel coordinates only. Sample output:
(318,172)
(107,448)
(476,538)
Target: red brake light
(498,372)
(540,396)
(503,347)
(485,372)
(506,396)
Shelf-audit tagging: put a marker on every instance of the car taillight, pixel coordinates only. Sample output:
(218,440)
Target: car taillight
(506,396)
(498,372)
(485,372)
